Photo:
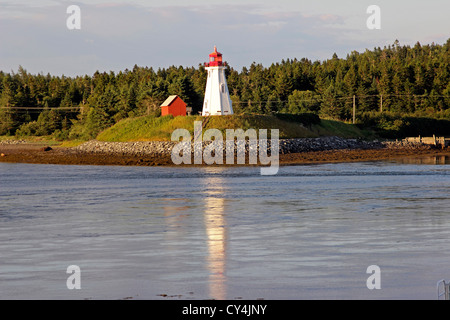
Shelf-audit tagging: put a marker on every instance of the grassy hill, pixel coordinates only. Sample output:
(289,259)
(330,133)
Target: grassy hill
(160,128)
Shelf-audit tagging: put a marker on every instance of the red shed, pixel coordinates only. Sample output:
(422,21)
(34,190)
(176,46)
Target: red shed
(173,105)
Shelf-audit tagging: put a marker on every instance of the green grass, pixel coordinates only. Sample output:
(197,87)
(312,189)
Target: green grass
(70,143)
(287,129)
(148,128)
(45,141)
(151,128)
(341,129)
(6,138)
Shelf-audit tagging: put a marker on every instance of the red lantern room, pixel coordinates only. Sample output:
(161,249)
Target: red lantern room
(215,59)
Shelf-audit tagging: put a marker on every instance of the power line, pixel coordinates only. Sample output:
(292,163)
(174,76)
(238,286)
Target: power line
(41,108)
(321,98)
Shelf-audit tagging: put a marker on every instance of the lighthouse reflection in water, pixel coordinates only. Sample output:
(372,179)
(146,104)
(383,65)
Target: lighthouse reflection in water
(216,232)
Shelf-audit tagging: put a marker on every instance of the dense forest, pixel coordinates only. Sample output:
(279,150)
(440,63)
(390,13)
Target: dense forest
(393,81)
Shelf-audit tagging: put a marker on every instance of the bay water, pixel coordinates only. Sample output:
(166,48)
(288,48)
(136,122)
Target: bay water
(309,232)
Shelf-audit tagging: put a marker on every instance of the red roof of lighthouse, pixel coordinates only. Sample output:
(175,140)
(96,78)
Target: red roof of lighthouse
(215,59)
(215,53)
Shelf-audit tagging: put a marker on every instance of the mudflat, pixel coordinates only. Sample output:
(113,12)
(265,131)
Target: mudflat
(37,153)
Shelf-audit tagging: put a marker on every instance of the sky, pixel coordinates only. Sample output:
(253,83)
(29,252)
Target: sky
(116,35)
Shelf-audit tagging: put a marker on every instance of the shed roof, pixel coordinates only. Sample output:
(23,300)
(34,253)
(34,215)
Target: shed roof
(169,100)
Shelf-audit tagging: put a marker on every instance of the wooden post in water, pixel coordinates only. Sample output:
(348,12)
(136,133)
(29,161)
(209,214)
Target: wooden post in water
(446,291)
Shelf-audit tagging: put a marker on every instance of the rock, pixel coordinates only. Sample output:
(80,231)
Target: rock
(286,146)
(12,142)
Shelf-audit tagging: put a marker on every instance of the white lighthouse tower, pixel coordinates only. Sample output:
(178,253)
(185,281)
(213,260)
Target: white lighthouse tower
(217,99)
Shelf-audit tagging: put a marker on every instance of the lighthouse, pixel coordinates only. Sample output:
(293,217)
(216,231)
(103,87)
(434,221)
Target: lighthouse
(217,99)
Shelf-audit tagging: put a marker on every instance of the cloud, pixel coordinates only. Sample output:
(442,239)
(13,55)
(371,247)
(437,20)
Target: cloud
(116,35)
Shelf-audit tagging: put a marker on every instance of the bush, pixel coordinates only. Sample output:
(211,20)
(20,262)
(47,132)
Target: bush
(61,135)
(392,125)
(48,122)
(78,132)
(27,129)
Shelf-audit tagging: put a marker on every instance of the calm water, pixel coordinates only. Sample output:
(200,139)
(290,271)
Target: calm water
(225,233)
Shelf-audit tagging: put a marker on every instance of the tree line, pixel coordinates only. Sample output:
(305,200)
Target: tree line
(406,80)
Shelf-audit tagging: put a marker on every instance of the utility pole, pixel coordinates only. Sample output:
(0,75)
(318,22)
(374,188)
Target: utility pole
(381,104)
(354,109)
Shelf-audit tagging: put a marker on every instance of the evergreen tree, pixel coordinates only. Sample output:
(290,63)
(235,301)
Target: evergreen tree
(407,80)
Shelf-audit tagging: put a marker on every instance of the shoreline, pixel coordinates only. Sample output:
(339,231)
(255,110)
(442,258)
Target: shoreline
(34,153)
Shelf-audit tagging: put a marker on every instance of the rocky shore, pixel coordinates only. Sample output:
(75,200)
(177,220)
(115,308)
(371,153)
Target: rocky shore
(286,146)
(133,148)
(12,142)
(158,153)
